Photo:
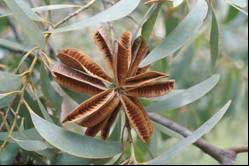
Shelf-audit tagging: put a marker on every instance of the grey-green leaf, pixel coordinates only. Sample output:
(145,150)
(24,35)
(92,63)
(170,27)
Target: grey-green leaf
(239,3)
(28,11)
(150,22)
(186,30)
(31,145)
(184,97)
(119,10)
(48,90)
(12,45)
(44,8)
(65,159)
(9,82)
(31,30)
(165,157)
(43,109)
(214,39)
(72,143)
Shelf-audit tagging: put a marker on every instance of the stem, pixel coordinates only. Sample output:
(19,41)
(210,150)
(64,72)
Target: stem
(74,14)
(223,156)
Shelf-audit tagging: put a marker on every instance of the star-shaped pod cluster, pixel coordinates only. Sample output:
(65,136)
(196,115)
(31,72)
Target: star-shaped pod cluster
(111,92)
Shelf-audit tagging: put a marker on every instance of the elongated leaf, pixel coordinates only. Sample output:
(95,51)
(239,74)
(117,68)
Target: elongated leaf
(242,10)
(214,39)
(8,82)
(30,134)
(5,100)
(28,11)
(186,97)
(31,30)
(44,8)
(31,145)
(8,154)
(165,157)
(150,23)
(48,90)
(117,11)
(12,45)
(239,3)
(65,159)
(182,33)
(43,109)
(72,143)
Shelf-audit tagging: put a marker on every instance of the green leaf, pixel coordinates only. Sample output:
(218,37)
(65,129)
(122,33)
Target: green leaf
(239,3)
(119,10)
(8,154)
(72,143)
(31,145)
(165,157)
(150,22)
(214,39)
(31,30)
(185,97)
(9,82)
(65,159)
(44,8)
(186,30)
(43,109)
(31,134)
(232,14)
(28,11)
(12,45)
(49,92)
(5,100)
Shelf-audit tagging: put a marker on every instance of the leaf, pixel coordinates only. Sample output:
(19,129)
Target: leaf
(26,134)
(65,159)
(12,45)
(31,145)
(185,97)
(239,3)
(8,154)
(72,143)
(44,8)
(182,33)
(43,109)
(214,39)
(5,100)
(238,8)
(28,11)
(32,31)
(150,22)
(119,10)
(48,90)
(196,135)
(9,82)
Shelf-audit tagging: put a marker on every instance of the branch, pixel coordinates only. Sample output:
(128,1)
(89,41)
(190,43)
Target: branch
(74,13)
(223,156)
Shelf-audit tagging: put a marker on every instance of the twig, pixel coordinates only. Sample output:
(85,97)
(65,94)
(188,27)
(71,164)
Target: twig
(239,150)
(223,156)
(74,14)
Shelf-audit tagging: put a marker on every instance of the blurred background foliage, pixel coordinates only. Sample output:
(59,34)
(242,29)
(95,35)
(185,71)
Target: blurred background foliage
(189,66)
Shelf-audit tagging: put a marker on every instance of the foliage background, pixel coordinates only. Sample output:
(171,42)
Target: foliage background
(189,67)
